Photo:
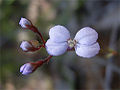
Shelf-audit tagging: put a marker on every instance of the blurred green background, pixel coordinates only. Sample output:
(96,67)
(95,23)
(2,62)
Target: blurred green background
(68,71)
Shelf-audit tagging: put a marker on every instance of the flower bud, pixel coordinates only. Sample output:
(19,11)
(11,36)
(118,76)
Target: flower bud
(27,68)
(30,46)
(24,23)
(25,45)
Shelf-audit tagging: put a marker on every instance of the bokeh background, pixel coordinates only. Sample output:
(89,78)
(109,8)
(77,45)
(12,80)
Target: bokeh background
(68,71)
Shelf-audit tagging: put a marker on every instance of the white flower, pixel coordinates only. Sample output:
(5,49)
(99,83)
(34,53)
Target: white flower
(25,45)
(27,69)
(23,22)
(84,42)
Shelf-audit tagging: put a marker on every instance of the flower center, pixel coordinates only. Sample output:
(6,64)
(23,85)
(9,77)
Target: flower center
(71,43)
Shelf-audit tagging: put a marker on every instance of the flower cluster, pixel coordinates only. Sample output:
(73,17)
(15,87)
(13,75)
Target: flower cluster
(85,44)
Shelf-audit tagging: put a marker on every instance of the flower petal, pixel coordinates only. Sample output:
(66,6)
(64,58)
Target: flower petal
(56,49)
(86,36)
(87,51)
(59,34)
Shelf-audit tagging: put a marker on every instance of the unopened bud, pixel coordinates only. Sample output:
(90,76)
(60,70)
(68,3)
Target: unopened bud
(30,46)
(27,68)
(24,23)
(25,45)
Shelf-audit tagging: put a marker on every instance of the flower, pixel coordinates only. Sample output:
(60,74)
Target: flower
(27,68)
(84,43)
(24,22)
(25,45)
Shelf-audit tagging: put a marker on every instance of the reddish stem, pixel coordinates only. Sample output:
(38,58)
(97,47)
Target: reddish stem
(33,48)
(40,62)
(34,29)
(41,38)
(47,59)
(37,31)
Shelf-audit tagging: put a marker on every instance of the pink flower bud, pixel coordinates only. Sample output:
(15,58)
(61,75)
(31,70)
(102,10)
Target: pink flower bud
(24,23)
(27,68)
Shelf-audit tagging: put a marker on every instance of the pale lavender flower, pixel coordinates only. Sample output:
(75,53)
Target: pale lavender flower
(23,22)
(85,42)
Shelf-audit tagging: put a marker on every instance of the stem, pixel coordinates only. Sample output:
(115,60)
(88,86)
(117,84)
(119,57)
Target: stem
(40,47)
(47,59)
(33,48)
(40,62)
(41,37)
(37,31)
(34,29)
